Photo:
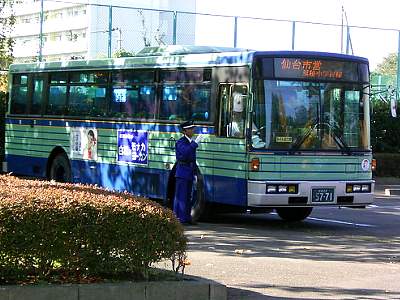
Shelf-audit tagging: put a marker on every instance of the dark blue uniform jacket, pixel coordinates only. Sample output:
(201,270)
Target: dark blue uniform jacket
(186,158)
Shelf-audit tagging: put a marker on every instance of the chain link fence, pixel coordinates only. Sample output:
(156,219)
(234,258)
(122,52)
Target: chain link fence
(103,30)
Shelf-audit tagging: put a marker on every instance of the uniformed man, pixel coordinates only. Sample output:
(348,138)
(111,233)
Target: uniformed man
(185,149)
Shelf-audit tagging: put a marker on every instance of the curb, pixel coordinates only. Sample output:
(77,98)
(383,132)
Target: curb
(189,288)
(392,192)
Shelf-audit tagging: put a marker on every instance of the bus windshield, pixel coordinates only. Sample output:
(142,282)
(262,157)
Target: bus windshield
(304,115)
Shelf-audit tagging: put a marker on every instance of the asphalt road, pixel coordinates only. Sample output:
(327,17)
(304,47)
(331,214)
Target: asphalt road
(334,254)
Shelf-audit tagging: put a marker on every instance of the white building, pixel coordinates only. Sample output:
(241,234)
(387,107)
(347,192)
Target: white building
(72,29)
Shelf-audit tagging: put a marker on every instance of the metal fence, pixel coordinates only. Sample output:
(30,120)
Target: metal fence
(156,27)
(116,28)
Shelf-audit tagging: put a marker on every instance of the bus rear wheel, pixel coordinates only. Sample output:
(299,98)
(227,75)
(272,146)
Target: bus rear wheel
(294,214)
(60,169)
(198,198)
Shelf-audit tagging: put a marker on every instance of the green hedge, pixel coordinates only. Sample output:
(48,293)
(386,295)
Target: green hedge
(3,107)
(75,231)
(387,164)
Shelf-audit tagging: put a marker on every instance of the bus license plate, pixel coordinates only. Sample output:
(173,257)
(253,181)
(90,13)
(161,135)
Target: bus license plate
(322,195)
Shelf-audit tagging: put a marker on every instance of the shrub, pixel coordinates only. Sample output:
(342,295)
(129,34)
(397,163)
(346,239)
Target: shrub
(77,231)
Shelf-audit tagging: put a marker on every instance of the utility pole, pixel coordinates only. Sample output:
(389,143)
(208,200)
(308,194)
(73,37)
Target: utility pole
(349,45)
(41,31)
(109,30)
(341,33)
(119,41)
(398,69)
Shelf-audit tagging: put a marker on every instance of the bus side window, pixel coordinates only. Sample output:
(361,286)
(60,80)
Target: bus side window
(38,96)
(147,102)
(185,101)
(201,103)
(56,104)
(57,100)
(168,109)
(19,94)
(133,94)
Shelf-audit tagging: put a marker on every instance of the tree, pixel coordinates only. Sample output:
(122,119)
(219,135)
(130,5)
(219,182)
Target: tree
(385,130)
(123,53)
(7,21)
(388,66)
(158,37)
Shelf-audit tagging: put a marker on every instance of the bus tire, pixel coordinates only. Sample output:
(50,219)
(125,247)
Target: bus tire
(198,198)
(60,169)
(170,195)
(293,214)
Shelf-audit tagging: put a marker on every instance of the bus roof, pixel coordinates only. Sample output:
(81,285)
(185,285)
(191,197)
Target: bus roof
(174,56)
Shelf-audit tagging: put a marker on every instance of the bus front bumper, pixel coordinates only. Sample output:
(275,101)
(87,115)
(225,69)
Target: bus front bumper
(310,193)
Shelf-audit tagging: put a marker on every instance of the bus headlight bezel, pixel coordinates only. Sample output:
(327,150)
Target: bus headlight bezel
(282,188)
(361,187)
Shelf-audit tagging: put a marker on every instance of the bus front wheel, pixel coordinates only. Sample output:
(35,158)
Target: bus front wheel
(60,169)
(294,214)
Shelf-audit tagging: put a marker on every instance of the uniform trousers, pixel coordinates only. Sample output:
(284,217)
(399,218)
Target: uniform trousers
(183,199)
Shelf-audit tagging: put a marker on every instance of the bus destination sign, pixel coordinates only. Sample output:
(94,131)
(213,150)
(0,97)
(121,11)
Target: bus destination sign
(305,68)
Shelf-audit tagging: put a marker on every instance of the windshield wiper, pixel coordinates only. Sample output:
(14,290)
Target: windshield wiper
(338,139)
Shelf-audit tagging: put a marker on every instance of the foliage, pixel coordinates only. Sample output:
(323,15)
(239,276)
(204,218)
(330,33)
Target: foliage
(75,232)
(123,53)
(385,130)
(388,66)
(158,37)
(3,106)
(7,21)
(387,164)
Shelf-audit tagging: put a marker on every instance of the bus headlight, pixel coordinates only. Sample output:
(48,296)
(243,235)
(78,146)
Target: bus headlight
(358,188)
(282,188)
(271,189)
(366,188)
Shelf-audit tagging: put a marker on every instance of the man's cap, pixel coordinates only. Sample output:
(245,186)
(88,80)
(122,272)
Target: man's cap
(187,125)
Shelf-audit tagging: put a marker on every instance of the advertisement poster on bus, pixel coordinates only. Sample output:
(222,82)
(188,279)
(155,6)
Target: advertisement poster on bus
(132,146)
(83,143)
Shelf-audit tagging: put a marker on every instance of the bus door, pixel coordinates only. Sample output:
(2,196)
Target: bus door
(230,158)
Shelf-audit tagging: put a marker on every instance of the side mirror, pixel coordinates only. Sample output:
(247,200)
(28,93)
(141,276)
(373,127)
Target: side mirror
(393,107)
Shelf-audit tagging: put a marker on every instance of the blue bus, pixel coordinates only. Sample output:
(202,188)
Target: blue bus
(284,130)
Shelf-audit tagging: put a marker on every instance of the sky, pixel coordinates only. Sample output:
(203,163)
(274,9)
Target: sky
(274,35)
